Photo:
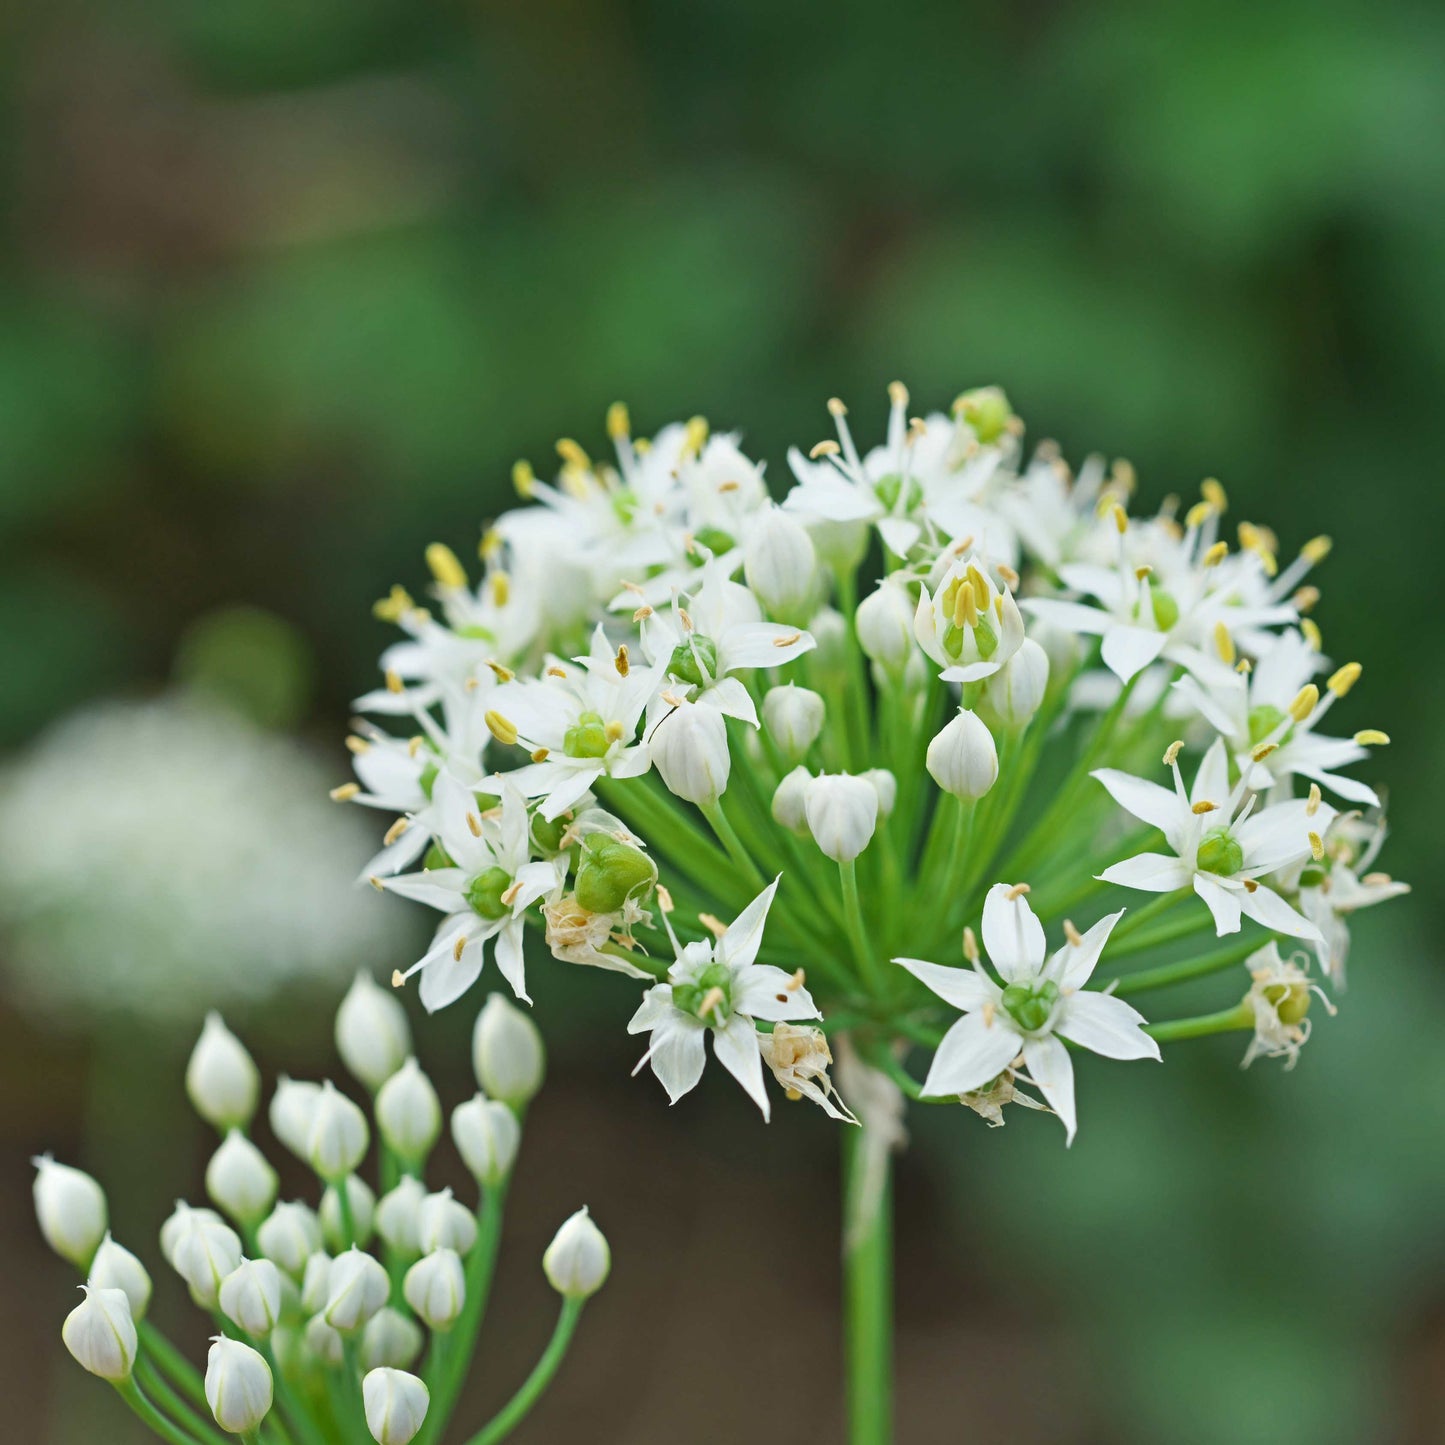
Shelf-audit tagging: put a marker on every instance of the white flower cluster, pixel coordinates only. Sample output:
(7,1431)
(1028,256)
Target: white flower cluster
(665,689)
(325,1307)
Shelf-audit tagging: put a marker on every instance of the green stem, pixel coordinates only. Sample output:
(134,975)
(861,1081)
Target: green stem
(727,836)
(1241,1016)
(1182,972)
(1194,921)
(348,1218)
(868,1290)
(130,1392)
(868,964)
(182,1373)
(149,1375)
(515,1410)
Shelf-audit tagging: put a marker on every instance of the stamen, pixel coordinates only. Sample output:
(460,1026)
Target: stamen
(573,455)
(970,945)
(512,893)
(1313,806)
(394,606)
(1311,630)
(620,662)
(524,479)
(1201,808)
(501,585)
(798,979)
(1305,702)
(1263,750)
(398,978)
(712,923)
(1376,880)
(1316,550)
(642,613)
(825,448)
(475,824)
(502,672)
(898,393)
(613,731)
(459,947)
(395,831)
(1371,738)
(357,745)
(1224,643)
(393,682)
(787,640)
(540,755)
(345,793)
(444,565)
(1305,599)
(664,898)
(1017,891)
(555,671)
(1317,847)
(1344,679)
(836,407)
(710,1000)
(1072,934)
(501,728)
(377,883)
(1121,518)
(1250,886)
(1214,494)
(1171,753)
(619,424)
(1216,554)
(1198,515)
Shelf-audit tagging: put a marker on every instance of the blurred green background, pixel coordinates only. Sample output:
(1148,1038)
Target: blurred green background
(286,287)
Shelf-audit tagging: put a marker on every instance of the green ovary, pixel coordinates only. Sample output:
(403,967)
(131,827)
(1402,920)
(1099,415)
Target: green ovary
(1030,1004)
(1220,853)
(484,893)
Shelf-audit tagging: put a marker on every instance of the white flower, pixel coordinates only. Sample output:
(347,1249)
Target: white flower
(793,717)
(203,1250)
(578,1260)
(115,1267)
(240,1180)
(408,1113)
(718,987)
(689,746)
(435,1287)
(968,625)
(485,889)
(1280,998)
(962,758)
(885,625)
(487,1136)
(799,1057)
(70,1207)
(1222,845)
(222,1079)
(1041,1002)
(238,1386)
(396,1405)
(842,812)
(324,1344)
(100,1334)
(250,1296)
(372,1034)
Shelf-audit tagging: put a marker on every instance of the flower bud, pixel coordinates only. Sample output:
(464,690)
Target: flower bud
(886,786)
(830,634)
(316,1283)
(222,1078)
(250,1297)
(986,410)
(325,1343)
(391,1340)
(408,1113)
(204,1251)
(363,1213)
(292,1107)
(842,812)
(436,1289)
(372,1034)
(238,1386)
(115,1267)
(239,1179)
(609,872)
(690,751)
(70,1207)
(396,1405)
(1016,692)
(443,1223)
(289,1236)
(788,807)
(397,1211)
(487,1136)
(507,1053)
(356,1288)
(885,627)
(780,565)
(578,1259)
(339,1135)
(182,1219)
(793,717)
(962,759)
(100,1334)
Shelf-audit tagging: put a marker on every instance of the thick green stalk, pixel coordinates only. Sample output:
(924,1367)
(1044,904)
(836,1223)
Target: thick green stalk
(868,964)
(149,1375)
(868,1290)
(181,1372)
(515,1410)
(1241,1016)
(1186,969)
(130,1392)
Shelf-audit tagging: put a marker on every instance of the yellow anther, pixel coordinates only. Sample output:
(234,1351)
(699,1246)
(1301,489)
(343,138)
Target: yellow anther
(1376,880)
(1198,515)
(501,585)
(555,671)
(1244,667)
(1316,550)
(898,393)
(664,898)
(621,663)
(501,728)
(474,824)
(398,978)
(414,745)
(500,670)
(970,945)
(1344,679)
(712,923)
(1200,809)
(345,793)
(572,455)
(459,947)
(524,479)
(393,682)
(1311,630)
(1073,935)
(357,745)
(539,755)
(917,427)
(1263,750)
(1316,797)
(394,606)
(965,611)
(1214,494)
(1121,518)
(642,613)
(685,617)
(395,831)
(613,731)
(1171,753)
(1010,577)
(1317,847)
(1224,644)
(826,448)
(1216,554)
(836,407)
(695,436)
(619,424)
(1123,476)
(787,639)
(377,883)
(1250,886)
(1305,599)
(1140,573)
(1305,702)
(798,979)
(710,1000)
(1371,738)
(444,565)
(1017,891)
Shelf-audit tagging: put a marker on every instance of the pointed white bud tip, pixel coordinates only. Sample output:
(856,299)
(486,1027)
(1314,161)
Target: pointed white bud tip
(222,1079)
(238,1386)
(793,717)
(962,758)
(316,1284)
(842,812)
(487,1135)
(240,1180)
(293,1106)
(886,786)
(100,1333)
(289,1236)
(115,1267)
(689,748)
(780,565)
(1017,690)
(356,1287)
(408,1113)
(70,1207)
(396,1214)
(507,1053)
(885,627)
(338,1137)
(436,1289)
(396,1405)
(788,807)
(391,1340)
(363,1213)
(372,1034)
(578,1260)
(444,1223)
(203,1249)
(251,1297)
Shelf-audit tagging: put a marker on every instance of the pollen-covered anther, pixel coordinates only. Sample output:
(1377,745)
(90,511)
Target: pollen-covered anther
(1017,891)
(836,407)
(1316,797)
(619,424)
(1171,753)
(1216,554)
(1199,809)
(1317,847)
(444,567)
(459,947)
(730,486)
(1140,573)
(394,606)
(1250,886)
(393,682)
(897,393)
(1311,630)
(1305,702)
(1198,515)
(642,613)
(917,427)
(613,731)
(1121,518)
(512,893)
(395,831)
(524,479)
(664,898)
(621,663)
(540,755)
(1224,644)
(1244,667)
(684,617)
(1371,738)
(345,793)
(798,979)
(377,883)
(970,945)
(573,455)
(825,448)
(988,1014)
(356,745)
(787,639)
(712,923)
(1072,934)
(1213,493)
(1376,880)
(1305,598)
(500,670)
(398,978)
(1316,550)
(1010,577)
(555,671)
(414,745)
(501,585)
(501,728)
(474,825)
(1263,750)
(1344,678)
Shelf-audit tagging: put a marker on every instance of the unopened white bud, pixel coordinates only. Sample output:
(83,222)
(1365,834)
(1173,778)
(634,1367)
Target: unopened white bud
(793,717)
(487,1136)
(293,1106)
(390,1339)
(239,1179)
(356,1288)
(842,812)
(396,1214)
(781,565)
(689,748)
(830,634)
(238,1386)
(204,1251)
(886,786)
(363,1213)
(181,1220)
(325,1343)
(339,1135)
(443,1223)
(408,1113)
(507,1053)
(885,627)
(100,1333)
(250,1297)
(962,758)
(372,1034)
(578,1259)
(396,1405)
(436,1288)
(70,1207)
(316,1283)
(788,806)
(1017,690)
(289,1236)
(222,1078)
(115,1267)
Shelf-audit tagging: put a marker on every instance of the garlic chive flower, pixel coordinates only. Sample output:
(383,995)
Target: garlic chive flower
(100,1334)
(71,1209)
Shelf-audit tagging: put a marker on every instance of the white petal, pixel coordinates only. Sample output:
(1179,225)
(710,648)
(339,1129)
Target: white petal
(1128,650)
(968,672)
(1222,902)
(1211,782)
(764,992)
(676,1053)
(976,1049)
(508,953)
(1152,872)
(1052,1070)
(1106,1025)
(763,644)
(739,946)
(736,1048)
(1073,964)
(1265,906)
(1012,936)
(446,978)
(731,698)
(964,988)
(1280,834)
(567,790)
(443,888)
(1159,807)
(1068,616)
(898,536)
